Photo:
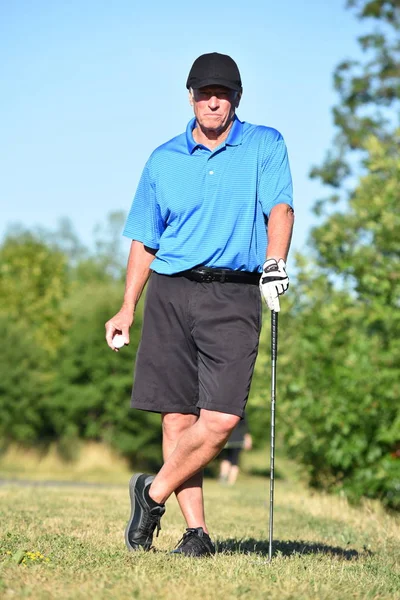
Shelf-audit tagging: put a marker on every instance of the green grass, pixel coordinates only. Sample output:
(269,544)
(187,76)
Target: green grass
(324,549)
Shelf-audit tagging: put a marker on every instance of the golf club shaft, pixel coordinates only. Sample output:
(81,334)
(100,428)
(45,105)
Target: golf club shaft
(274,355)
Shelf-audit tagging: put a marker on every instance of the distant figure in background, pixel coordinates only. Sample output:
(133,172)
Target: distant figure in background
(240,439)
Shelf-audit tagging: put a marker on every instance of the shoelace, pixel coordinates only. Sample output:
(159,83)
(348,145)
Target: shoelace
(190,533)
(151,522)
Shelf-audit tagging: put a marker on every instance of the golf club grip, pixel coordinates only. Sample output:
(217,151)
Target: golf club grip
(274,335)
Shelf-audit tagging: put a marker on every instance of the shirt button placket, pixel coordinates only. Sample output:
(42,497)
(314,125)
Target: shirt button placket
(211,175)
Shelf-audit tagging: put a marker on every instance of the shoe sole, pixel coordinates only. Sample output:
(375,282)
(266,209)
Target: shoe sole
(132,484)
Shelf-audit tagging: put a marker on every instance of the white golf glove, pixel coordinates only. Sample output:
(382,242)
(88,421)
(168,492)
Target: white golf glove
(274,281)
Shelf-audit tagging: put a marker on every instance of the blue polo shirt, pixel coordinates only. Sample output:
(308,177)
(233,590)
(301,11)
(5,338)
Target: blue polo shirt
(198,206)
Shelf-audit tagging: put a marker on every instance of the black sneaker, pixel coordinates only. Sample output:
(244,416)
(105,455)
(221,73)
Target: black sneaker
(144,518)
(195,542)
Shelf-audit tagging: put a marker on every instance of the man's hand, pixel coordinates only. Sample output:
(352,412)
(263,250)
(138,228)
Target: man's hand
(120,323)
(273,282)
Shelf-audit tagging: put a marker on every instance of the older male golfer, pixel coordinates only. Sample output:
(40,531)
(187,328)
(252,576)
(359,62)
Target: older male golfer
(211,222)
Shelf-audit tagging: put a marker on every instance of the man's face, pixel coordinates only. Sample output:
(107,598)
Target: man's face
(214,106)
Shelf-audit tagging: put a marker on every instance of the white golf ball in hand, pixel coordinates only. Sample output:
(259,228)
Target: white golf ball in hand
(118,341)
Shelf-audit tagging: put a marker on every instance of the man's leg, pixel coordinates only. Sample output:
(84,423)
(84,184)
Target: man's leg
(234,470)
(211,339)
(225,327)
(224,470)
(190,493)
(233,473)
(197,446)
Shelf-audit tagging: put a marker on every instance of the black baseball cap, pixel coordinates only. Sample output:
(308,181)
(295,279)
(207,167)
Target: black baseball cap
(214,69)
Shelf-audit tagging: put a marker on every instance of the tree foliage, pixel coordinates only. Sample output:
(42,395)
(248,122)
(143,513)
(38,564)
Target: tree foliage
(33,283)
(344,417)
(24,377)
(90,399)
(58,379)
(368,90)
(340,405)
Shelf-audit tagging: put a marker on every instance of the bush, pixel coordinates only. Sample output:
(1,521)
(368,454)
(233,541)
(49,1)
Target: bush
(23,383)
(93,384)
(339,402)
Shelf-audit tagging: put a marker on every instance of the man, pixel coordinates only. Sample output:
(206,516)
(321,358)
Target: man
(199,224)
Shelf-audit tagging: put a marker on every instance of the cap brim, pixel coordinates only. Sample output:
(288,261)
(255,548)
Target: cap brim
(214,81)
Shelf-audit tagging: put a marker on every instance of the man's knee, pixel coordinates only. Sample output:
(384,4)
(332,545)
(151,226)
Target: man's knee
(221,424)
(174,424)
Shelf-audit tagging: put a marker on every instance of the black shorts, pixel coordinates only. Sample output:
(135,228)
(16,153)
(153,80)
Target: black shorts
(232,455)
(198,347)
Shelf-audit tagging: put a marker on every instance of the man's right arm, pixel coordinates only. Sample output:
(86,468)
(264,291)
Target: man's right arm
(137,274)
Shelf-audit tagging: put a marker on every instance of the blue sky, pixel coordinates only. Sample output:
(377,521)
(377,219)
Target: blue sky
(90,88)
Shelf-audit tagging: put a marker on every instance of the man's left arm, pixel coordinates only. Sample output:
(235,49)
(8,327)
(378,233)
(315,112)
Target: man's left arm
(280,227)
(277,193)
(274,280)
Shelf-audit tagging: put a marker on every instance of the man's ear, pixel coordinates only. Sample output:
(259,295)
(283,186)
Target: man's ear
(237,99)
(191,100)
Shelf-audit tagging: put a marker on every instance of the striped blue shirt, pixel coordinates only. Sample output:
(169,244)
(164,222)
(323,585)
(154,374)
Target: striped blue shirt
(198,206)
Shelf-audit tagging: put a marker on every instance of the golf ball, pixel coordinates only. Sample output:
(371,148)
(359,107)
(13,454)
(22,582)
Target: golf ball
(118,341)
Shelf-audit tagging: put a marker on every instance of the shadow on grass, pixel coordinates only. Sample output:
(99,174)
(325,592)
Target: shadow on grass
(287,548)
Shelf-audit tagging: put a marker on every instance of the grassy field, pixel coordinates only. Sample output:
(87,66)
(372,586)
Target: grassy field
(67,542)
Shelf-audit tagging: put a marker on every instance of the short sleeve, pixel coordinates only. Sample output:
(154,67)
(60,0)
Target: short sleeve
(144,222)
(275,185)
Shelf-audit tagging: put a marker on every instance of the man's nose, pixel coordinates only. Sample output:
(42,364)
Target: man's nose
(213,102)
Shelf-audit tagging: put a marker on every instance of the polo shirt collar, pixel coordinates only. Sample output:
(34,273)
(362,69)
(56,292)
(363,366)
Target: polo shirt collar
(234,138)
(236,133)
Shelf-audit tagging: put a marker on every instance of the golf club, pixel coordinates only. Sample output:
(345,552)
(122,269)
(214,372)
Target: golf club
(274,355)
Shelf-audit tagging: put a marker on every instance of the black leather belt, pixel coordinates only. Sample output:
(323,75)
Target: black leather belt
(208,275)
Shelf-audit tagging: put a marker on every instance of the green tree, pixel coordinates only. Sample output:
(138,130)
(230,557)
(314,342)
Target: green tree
(340,407)
(91,396)
(109,251)
(33,284)
(24,379)
(368,90)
